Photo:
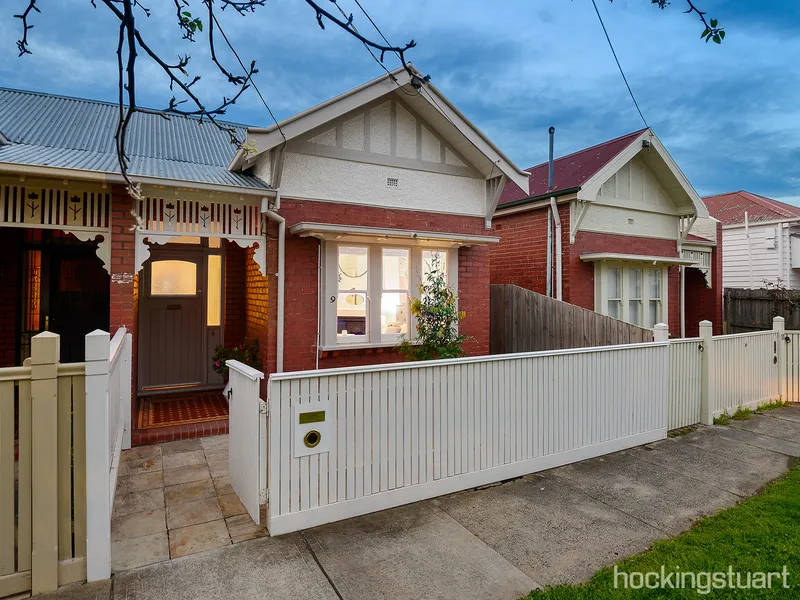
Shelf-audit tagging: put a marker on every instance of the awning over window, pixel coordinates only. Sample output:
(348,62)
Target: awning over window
(654,260)
(347,233)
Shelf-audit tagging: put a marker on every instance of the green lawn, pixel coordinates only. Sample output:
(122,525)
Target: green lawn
(760,535)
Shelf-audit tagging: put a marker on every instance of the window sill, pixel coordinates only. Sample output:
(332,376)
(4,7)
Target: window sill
(339,347)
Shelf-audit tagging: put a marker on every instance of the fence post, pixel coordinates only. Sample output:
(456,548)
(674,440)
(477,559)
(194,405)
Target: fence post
(125,383)
(661,332)
(98,479)
(707,386)
(779,326)
(45,352)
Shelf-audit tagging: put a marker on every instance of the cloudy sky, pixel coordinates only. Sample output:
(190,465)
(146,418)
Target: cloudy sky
(729,114)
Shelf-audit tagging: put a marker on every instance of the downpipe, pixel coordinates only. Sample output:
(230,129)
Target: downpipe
(273,216)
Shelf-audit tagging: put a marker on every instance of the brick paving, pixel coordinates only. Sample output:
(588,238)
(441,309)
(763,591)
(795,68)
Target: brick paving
(175,499)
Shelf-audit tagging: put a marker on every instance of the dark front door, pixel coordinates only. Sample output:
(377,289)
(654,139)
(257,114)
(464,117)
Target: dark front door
(172,321)
(63,288)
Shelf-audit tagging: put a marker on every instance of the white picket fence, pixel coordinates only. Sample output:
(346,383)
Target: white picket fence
(387,435)
(400,433)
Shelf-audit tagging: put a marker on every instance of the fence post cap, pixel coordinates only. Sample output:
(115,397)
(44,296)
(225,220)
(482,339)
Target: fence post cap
(45,348)
(706,323)
(778,319)
(97,345)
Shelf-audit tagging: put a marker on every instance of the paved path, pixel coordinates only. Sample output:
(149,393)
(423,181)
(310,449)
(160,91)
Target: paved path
(499,542)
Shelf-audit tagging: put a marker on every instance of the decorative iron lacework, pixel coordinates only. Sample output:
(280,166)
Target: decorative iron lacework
(231,219)
(74,208)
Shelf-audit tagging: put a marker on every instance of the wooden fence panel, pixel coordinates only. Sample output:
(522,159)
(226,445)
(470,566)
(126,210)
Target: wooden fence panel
(753,310)
(524,321)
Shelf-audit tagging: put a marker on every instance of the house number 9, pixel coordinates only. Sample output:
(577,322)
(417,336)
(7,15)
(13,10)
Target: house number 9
(333,299)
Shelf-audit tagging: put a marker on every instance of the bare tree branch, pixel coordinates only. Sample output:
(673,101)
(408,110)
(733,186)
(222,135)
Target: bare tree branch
(22,43)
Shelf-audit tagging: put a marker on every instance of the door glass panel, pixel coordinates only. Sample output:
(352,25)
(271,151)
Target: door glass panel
(173,278)
(214,308)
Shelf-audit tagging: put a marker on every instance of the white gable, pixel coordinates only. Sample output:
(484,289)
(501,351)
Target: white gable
(635,185)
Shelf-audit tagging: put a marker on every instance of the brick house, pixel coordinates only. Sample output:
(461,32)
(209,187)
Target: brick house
(621,231)
(312,241)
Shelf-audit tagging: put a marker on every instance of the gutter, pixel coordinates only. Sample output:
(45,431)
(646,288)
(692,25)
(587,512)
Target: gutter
(529,199)
(117,178)
(281,278)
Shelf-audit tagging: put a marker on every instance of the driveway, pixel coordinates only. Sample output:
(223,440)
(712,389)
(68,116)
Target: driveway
(559,526)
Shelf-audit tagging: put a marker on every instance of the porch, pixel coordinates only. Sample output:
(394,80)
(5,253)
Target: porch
(189,279)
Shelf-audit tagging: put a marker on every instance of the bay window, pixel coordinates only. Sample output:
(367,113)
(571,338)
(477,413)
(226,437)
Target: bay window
(634,293)
(368,287)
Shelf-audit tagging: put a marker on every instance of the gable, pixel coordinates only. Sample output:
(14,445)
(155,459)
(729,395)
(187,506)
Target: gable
(385,132)
(634,185)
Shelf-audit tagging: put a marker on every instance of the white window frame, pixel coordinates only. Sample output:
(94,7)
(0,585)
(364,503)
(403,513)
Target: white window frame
(601,290)
(330,289)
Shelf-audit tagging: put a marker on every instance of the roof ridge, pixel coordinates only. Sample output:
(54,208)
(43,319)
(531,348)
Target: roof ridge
(145,110)
(640,131)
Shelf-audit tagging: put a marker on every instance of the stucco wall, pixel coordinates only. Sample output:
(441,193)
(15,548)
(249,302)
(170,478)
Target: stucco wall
(331,179)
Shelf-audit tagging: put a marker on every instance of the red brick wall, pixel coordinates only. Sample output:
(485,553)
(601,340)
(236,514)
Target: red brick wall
(300,336)
(124,297)
(582,273)
(521,256)
(703,303)
(234,293)
(10,244)
(255,305)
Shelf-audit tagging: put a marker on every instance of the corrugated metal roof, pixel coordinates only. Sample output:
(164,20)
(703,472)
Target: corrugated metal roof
(569,171)
(730,208)
(73,133)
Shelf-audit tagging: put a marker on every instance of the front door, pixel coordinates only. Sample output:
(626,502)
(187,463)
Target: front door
(180,316)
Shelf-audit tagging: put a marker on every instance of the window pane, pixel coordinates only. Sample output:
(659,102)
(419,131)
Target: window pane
(214,242)
(434,259)
(654,287)
(614,283)
(635,296)
(214,308)
(394,314)
(613,308)
(654,314)
(351,317)
(395,269)
(173,278)
(635,283)
(353,261)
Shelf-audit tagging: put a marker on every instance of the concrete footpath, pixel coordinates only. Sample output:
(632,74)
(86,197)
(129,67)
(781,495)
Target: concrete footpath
(558,526)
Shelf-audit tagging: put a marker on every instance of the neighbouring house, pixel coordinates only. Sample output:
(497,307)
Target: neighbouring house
(761,240)
(311,241)
(614,234)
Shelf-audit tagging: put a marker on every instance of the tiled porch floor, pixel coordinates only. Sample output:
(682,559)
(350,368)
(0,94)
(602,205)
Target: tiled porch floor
(177,430)
(175,499)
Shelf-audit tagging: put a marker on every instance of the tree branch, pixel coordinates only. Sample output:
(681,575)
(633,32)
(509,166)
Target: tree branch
(22,43)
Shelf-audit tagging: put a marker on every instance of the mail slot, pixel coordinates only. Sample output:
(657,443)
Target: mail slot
(173,306)
(312,427)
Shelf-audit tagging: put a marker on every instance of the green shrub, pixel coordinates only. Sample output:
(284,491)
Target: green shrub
(246,352)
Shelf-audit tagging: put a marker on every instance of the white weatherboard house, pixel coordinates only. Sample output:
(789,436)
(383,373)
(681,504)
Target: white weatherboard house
(761,240)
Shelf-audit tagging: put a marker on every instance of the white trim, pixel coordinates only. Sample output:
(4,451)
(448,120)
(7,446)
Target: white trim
(437,211)
(655,260)
(328,231)
(269,137)
(591,187)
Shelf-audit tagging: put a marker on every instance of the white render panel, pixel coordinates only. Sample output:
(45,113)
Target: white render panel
(452,159)
(263,167)
(353,133)
(406,133)
(331,179)
(612,219)
(431,147)
(380,136)
(706,228)
(635,183)
(326,138)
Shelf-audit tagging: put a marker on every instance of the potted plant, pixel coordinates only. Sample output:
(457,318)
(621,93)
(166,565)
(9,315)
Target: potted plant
(246,352)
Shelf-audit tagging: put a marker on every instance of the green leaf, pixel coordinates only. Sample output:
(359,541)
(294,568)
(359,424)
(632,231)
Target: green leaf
(705,32)
(713,22)
(187,14)
(722,34)
(717,40)
(200,25)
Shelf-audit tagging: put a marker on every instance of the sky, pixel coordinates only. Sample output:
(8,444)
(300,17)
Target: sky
(729,114)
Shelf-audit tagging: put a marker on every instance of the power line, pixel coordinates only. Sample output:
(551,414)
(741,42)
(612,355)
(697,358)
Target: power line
(619,66)
(252,81)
